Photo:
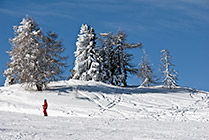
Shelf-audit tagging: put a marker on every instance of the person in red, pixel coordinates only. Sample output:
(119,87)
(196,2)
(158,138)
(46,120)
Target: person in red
(45,107)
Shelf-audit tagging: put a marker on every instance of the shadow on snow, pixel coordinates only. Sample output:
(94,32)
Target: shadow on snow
(119,90)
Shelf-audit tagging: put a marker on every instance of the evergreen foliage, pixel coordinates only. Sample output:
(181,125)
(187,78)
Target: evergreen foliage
(107,57)
(87,64)
(115,58)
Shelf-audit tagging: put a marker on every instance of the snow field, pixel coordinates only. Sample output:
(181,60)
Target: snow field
(25,126)
(93,110)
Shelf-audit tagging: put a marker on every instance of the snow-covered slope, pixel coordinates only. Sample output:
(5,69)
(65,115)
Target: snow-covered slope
(91,99)
(100,111)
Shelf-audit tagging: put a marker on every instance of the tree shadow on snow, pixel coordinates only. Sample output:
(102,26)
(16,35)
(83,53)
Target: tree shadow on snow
(118,90)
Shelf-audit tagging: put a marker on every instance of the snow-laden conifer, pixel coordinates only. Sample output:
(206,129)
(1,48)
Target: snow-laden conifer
(115,60)
(34,57)
(87,56)
(146,72)
(169,73)
(25,55)
(107,55)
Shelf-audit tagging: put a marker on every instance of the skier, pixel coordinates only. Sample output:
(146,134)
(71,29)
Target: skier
(45,107)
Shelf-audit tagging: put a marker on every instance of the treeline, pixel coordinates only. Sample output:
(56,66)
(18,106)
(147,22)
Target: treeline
(36,58)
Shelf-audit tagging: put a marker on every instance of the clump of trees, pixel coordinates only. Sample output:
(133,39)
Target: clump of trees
(36,58)
(109,63)
(148,77)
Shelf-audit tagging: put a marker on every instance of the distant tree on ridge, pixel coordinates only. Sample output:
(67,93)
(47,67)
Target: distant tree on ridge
(146,72)
(169,73)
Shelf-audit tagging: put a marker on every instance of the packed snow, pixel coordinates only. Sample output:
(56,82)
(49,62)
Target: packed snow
(94,110)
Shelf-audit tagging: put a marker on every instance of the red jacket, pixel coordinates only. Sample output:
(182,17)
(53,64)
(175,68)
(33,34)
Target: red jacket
(45,105)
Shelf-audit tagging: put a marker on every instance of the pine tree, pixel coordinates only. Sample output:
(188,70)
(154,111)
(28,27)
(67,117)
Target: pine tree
(30,62)
(106,55)
(123,58)
(145,72)
(87,56)
(94,58)
(169,74)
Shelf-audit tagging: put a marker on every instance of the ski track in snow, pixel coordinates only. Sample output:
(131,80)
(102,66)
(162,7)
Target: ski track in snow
(95,103)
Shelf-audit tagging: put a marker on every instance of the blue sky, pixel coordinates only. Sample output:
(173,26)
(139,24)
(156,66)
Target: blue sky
(181,26)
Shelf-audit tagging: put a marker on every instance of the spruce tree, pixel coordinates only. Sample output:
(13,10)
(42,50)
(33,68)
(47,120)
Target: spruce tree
(94,58)
(87,56)
(107,57)
(169,73)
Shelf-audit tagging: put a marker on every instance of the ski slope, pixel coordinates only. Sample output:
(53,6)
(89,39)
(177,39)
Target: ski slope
(94,110)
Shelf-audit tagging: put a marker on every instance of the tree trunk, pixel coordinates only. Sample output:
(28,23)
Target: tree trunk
(39,88)
(145,82)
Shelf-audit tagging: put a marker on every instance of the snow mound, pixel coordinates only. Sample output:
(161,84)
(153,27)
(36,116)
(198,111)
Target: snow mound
(94,99)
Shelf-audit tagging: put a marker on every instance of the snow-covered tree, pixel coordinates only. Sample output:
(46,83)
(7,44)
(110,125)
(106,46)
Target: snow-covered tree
(24,66)
(30,62)
(145,72)
(169,73)
(122,58)
(115,60)
(10,80)
(94,58)
(106,55)
(87,65)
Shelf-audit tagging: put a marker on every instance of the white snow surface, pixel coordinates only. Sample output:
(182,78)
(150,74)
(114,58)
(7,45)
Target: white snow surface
(81,110)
